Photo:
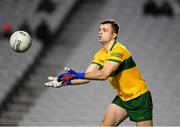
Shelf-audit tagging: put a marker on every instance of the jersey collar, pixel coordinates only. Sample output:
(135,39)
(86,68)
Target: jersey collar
(112,46)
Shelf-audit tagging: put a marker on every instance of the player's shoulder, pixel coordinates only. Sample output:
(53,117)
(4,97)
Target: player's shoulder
(118,46)
(98,55)
(100,52)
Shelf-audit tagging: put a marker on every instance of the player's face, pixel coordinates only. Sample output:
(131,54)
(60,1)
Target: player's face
(105,33)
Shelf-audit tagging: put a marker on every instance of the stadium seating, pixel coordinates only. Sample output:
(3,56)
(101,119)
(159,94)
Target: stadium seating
(13,65)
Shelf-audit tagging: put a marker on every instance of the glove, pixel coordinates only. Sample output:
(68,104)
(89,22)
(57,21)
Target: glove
(77,75)
(70,75)
(54,83)
(61,79)
(65,77)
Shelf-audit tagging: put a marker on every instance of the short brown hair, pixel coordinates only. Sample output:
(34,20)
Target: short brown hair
(115,25)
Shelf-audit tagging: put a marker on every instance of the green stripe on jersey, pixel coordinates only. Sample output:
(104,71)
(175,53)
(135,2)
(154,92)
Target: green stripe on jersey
(112,46)
(98,64)
(117,54)
(126,64)
(115,61)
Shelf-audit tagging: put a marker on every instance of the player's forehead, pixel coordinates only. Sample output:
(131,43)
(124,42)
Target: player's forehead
(105,26)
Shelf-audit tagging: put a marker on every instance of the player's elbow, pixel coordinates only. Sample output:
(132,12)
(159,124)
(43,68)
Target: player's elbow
(104,76)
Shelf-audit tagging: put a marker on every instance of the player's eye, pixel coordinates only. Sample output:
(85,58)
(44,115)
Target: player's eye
(105,30)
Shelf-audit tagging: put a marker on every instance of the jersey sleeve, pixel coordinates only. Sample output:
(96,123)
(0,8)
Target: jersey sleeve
(117,56)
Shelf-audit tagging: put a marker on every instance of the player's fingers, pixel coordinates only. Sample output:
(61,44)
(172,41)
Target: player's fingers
(53,83)
(48,84)
(51,78)
(66,69)
(57,84)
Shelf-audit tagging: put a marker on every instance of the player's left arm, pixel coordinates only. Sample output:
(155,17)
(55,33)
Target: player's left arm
(101,74)
(91,67)
(104,73)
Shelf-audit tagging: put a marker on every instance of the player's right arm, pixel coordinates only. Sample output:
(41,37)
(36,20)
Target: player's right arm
(91,67)
(53,82)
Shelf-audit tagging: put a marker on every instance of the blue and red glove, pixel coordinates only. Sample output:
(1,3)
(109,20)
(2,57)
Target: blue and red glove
(66,79)
(70,75)
(77,75)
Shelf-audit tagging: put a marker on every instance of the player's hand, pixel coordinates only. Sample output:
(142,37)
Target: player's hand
(54,83)
(64,76)
(70,75)
(77,75)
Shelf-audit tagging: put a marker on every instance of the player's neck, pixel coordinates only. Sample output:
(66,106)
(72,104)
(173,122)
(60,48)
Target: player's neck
(108,45)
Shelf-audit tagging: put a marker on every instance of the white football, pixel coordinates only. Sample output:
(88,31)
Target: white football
(20,41)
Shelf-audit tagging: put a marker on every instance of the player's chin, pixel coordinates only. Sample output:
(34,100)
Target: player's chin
(100,40)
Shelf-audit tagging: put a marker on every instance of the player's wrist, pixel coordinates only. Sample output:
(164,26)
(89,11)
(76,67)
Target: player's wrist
(81,75)
(68,82)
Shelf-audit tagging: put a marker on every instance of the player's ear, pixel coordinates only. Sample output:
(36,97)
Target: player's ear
(114,35)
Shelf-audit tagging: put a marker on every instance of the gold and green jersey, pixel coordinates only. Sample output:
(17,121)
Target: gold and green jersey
(127,79)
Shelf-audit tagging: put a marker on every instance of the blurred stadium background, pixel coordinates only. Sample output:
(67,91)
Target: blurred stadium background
(65,33)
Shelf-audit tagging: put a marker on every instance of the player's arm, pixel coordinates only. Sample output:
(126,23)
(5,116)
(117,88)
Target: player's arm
(104,73)
(92,67)
(53,81)
(96,74)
